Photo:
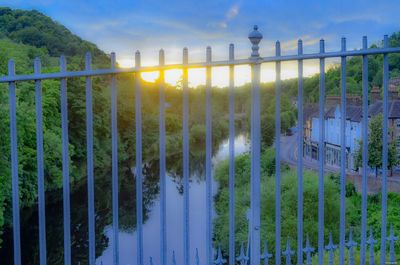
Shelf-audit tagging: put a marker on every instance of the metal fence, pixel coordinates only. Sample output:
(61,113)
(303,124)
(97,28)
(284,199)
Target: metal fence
(255,256)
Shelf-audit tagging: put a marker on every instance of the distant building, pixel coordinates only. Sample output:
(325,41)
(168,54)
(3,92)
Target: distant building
(332,120)
(332,143)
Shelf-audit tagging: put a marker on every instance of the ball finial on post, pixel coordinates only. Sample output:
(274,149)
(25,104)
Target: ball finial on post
(255,37)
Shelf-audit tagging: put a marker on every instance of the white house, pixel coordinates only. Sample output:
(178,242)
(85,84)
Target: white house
(332,121)
(332,135)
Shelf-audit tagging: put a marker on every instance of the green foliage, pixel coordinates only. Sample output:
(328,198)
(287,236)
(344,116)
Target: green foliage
(289,205)
(37,30)
(25,35)
(357,259)
(23,43)
(353,75)
(375,147)
(289,202)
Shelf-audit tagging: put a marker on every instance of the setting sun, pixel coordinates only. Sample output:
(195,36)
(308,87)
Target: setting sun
(220,75)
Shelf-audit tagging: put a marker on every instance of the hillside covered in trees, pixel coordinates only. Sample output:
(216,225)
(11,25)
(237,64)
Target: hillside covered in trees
(25,35)
(353,74)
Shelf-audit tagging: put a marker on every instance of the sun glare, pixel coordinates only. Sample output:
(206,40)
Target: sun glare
(220,75)
(126,63)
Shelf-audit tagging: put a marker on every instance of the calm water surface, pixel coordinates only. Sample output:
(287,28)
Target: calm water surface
(127,216)
(151,228)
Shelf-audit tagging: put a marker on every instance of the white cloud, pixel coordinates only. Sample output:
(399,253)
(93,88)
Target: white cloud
(232,12)
(292,44)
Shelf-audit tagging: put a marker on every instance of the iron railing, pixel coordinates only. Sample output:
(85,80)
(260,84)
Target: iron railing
(255,61)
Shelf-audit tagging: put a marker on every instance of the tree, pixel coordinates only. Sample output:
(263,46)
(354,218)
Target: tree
(288,206)
(375,147)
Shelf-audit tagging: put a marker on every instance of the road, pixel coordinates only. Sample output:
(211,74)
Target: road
(289,154)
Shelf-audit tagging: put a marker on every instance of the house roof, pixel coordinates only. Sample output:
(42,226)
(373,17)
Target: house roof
(309,111)
(394,109)
(353,113)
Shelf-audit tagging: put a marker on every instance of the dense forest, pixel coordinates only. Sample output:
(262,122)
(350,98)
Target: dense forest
(25,35)
(353,75)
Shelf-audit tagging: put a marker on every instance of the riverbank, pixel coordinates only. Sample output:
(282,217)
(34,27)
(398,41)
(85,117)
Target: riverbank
(289,204)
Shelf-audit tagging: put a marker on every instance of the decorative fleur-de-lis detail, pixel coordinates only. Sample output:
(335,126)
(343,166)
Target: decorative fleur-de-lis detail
(288,253)
(220,260)
(242,259)
(266,255)
(151,261)
(371,242)
(350,245)
(308,250)
(392,238)
(173,258)
(331,249)
(197,257)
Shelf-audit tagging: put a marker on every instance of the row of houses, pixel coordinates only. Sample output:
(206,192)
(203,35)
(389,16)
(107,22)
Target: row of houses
(354,124)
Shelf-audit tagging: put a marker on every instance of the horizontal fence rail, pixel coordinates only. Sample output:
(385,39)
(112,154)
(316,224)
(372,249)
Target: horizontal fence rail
(257,248)
(271,59)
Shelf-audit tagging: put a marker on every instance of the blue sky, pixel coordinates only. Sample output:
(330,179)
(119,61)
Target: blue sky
(124,26)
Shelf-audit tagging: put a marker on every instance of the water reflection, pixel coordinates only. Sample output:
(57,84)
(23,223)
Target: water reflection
(127,214)
(197,215)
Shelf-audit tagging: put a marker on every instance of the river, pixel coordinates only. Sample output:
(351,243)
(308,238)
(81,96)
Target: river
(127,217)
(197,216)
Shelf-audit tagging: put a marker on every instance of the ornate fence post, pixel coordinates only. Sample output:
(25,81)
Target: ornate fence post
(255,37)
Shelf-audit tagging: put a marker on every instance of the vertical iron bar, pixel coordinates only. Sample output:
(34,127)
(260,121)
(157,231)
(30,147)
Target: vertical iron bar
(163,206)
(90,167)
(65,165)
(254,229)
(209,253)
(278,156)
(300,158)
(40,165)
(321,147)
(255,164)
(139,170)
(364,155)
(14,165)
(231,157)
(185,124)
(114,140)
(384,150)
(342,231)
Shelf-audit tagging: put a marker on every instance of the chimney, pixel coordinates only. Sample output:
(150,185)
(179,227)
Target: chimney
(375,94)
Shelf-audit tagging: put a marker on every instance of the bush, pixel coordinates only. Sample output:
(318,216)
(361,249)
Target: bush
(288,202)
